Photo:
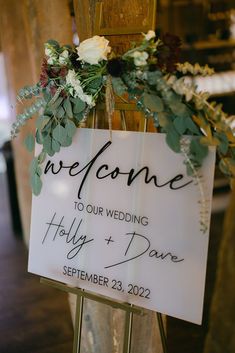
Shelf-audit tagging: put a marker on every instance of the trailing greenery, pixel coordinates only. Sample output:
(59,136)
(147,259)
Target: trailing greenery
(74,80)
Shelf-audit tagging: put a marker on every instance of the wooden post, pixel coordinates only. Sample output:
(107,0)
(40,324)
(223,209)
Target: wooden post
(104,327)
(19,72)
(25,26)
(220,337)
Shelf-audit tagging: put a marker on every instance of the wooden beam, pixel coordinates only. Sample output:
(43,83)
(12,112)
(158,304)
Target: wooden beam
(25,26)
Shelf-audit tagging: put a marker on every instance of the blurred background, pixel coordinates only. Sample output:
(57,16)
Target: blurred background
(34,318)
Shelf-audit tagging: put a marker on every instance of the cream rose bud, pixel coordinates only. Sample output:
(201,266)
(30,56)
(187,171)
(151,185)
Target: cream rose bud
(63,57)
(93,50)
(48,52)
(151,34)
(52,60)
(140,58)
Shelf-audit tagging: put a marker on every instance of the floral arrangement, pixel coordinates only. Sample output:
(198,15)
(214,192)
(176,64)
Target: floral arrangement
(74,80)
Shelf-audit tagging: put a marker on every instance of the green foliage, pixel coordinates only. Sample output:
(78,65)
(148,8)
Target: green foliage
(68,89)
(53,43)
(119,86)
(78,105)
(153,102)
(70,128)
(30,142)
(180,124)
(173,139)
(28,92)
(68,108)
(59,134)
(21,119)
(35,176)
(153,77)
(198,151)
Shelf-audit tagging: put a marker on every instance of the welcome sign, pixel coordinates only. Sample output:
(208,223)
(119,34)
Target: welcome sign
(121,218)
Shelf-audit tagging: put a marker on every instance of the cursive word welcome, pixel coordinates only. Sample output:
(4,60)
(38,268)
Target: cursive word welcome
(104,171)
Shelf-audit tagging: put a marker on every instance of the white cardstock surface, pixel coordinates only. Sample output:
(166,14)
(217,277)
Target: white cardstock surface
(122,219)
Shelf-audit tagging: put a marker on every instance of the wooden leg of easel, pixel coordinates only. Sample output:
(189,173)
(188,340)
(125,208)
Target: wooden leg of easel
(162,332)
(78,324)
(128,332)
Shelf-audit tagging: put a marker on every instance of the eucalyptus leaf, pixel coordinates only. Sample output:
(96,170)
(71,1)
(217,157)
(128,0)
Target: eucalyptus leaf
(47,146)
(118,86)
(56,104)
(153,77)
(55,145)
(39,137)
(79,106)
(192,127)
(180,124)
(36,184)
(53,43)
(30,142)
(41,157)
(198,150)
(79,116)
(70,128)
(96,83)
(46,95)
(164,119)
(42,121)
(60,112)
(33,165)
(68,108)
(59,134)
(179,109)
(67,141)
(38,171)
(173,139)
(152,102)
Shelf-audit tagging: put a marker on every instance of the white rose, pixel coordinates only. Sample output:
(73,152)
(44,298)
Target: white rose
(140,58)
(93,50)
(63,58)
(151,34)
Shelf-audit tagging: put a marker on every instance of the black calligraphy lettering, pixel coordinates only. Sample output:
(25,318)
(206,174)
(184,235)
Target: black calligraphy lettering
(104,171)
(134,235)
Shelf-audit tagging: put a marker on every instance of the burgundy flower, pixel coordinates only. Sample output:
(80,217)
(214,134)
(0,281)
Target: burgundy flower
(44,73)
(172,41)
(53,90)
(75,63)
(168,53)
(116,67)
(63,71)
(54,72)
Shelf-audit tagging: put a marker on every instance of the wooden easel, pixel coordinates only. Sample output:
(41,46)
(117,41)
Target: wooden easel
(81,294)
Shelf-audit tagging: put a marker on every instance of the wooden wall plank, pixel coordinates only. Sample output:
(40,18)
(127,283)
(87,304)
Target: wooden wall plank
(25,26)
(19,73)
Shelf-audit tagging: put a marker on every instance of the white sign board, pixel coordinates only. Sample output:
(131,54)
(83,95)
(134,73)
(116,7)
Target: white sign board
(122,219)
